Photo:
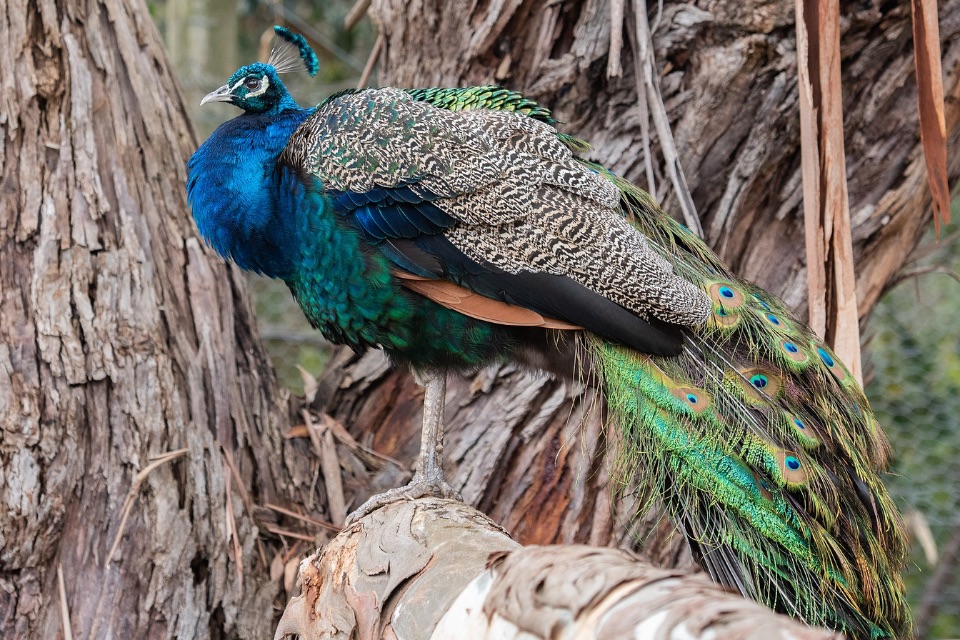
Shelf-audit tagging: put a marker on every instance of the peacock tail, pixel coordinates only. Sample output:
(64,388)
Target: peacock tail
(766,453)
(455,227)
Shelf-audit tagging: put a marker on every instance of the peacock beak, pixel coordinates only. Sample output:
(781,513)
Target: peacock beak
(222,94)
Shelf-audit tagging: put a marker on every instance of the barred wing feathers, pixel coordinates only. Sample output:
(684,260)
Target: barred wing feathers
(517,199)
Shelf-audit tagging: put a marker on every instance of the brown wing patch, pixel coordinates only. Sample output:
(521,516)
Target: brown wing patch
(453,296)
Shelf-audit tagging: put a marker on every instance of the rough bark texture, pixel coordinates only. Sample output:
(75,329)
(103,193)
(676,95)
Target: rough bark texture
(519,446)
(121,339)
(437,569)
(528,449)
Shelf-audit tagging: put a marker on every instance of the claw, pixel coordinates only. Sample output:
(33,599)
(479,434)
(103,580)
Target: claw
(419,487)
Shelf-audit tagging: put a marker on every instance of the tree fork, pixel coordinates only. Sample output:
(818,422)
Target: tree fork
(120,340)
(520,444)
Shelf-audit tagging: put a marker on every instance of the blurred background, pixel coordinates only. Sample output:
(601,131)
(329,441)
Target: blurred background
(911,344)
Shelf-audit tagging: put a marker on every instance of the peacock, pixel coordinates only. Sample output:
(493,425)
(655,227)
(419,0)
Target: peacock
(455,227)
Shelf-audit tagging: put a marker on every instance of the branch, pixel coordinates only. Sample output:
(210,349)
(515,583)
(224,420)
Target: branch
(440,569)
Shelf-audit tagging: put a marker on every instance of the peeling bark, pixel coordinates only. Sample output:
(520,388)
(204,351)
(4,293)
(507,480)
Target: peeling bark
(439,569)
(528,449)
(121,340)
(729,80)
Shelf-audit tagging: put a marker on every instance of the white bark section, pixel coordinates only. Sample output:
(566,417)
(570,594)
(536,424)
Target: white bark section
(437,569)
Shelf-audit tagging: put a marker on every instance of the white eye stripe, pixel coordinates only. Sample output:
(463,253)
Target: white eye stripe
(264,85)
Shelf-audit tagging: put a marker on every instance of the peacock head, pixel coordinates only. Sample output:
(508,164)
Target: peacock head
(256,88)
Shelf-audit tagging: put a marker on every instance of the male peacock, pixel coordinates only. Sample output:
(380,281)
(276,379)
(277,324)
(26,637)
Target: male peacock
(455,227)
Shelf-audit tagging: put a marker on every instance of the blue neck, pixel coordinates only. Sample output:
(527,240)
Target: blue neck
(242,201)
(285,103)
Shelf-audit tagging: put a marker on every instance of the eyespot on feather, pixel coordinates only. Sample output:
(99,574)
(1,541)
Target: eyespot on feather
(794,352)
(696,399)
(760,385)
(725,296)
(774,319)
(794,471)
(763,486)
(760,301)
(804,431)
(832,363)
(771,318)
(725,318)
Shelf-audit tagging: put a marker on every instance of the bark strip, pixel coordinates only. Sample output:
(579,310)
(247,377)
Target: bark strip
(831,285)
(933,134)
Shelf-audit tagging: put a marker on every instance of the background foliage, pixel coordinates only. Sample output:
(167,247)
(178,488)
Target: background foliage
(913,373)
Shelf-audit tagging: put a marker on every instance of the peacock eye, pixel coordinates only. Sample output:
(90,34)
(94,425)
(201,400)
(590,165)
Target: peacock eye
(252,83)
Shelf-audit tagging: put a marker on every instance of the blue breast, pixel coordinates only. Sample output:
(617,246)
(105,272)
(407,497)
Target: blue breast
(245,205)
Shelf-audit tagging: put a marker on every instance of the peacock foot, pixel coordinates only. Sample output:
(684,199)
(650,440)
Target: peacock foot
(419,487)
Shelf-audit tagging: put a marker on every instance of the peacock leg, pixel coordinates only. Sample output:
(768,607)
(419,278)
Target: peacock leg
(430,461)
(428,479)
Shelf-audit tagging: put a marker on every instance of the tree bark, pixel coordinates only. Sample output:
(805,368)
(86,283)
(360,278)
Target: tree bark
(530,450)
(122,339)
(729,80)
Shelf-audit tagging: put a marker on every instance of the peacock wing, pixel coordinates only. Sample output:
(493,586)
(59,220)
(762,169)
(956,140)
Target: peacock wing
(492,196)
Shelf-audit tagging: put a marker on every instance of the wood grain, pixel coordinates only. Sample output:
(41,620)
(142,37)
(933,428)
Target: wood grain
(430,568)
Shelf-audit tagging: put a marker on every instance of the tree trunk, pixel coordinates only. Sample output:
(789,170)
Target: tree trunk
(121,340)
(530,450)
(729,82)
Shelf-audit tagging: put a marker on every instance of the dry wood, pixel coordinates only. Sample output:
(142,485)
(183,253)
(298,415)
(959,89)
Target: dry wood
(132,496)
(831,284)
(531,450)
(933,134)
(614,66)
(437,569)
(654,101)
(64,609)
(810,163)
(299,516)
(528,449)
(121,337)
(728,74)
(356,14)
(371,62)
